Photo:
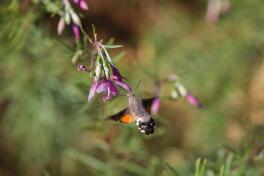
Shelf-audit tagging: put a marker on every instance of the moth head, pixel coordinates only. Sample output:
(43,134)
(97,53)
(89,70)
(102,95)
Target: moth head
(146,127)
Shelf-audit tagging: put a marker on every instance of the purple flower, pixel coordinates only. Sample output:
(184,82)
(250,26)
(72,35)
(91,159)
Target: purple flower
(193,100)
(105,86)
(155,105)
(108,87)
(107,79)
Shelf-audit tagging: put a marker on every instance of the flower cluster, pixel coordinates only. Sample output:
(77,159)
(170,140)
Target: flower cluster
(179,90)
(107,78)
(108,86)
(69,17)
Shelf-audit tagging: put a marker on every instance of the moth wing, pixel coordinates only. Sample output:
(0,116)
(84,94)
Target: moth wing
(123,116)
(147,103)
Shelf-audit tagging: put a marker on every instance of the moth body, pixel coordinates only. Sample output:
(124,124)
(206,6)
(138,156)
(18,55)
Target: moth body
(138,110)
(143,119)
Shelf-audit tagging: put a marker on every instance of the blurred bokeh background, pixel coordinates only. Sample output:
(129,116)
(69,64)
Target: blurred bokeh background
(217,49)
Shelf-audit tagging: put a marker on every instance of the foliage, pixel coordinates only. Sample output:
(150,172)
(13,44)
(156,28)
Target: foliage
(50,129)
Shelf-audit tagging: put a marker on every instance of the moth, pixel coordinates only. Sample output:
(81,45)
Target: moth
(138,110)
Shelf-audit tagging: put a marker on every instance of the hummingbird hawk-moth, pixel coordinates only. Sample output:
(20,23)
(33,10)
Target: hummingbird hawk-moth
(138,110)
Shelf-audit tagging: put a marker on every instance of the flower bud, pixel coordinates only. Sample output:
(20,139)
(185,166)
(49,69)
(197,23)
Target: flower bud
(81,68)
(75,18)
(83,5)
(193,100)
(76,32)
(175,94)
(106,70)
(61,26)
(181,89)
(67,18)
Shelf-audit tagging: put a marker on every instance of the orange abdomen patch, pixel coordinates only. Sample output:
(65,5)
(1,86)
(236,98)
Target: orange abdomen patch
(126,118)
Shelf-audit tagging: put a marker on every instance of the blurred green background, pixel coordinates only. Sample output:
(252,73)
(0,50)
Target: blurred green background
(48,128)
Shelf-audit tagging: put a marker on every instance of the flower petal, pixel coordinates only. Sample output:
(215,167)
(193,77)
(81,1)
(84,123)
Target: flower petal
(113,89)
(123,85)
(92,90)
(102,87)
(116,73)
(109,89)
